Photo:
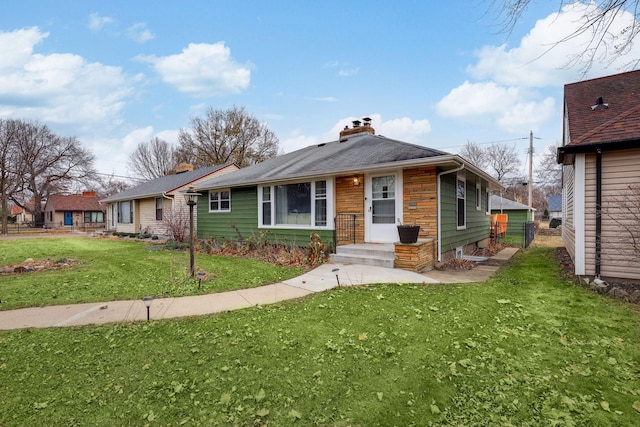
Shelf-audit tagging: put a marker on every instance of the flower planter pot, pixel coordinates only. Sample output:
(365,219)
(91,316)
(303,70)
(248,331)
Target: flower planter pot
(408,233)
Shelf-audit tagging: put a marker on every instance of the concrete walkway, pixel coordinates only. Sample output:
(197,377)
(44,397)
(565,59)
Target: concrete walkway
(321,279)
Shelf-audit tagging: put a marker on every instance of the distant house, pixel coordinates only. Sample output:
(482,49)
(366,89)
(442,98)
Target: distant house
(517,211)
(18,214)
(554,206)
(73,211)
(355,190)
(600,154)
(149,206)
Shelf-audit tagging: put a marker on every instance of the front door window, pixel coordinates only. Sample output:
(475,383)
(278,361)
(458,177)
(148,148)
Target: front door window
(383,199)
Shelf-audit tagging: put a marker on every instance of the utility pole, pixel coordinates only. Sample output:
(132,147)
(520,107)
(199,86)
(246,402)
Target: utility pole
(530,168)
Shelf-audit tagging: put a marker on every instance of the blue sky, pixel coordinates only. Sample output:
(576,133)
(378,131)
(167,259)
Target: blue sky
(438,74)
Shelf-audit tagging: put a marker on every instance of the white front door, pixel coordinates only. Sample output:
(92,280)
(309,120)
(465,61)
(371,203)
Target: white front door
(383,206)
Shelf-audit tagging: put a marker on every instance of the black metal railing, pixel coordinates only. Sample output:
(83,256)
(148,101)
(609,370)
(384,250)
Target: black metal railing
(345,228)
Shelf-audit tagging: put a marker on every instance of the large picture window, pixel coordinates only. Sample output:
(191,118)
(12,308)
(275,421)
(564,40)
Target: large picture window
(125,212)
(220,201)
(301,204)
(461,196)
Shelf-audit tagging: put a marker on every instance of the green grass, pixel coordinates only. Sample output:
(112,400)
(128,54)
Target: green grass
(526,348)
(121,269)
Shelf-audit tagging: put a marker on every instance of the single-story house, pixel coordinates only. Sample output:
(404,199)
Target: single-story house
(152,205)
(355,190)
(73,211)
(554,206)
(600,154)
(18,213)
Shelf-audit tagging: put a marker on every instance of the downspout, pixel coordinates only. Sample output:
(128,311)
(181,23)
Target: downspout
(598,210)
(440,206)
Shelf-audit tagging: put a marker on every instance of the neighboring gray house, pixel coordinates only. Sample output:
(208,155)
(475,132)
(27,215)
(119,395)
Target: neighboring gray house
(147,207)
(356,189)
(554,206)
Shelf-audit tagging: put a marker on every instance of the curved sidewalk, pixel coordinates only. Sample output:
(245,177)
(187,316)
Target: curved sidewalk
(318,280)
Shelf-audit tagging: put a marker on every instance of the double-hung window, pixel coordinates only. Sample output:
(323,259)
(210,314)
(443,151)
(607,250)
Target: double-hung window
(301,204)
(478,196)
(220,201)
(159,202)
(125,212)
(461,196)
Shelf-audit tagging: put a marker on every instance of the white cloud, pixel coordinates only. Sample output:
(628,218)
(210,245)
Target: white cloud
(514,86)
(140,33)
(203,70)
(323,99)
(97,22)
(348,72)
(59,87)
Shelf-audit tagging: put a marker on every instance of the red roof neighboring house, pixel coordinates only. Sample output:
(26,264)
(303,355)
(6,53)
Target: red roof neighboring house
(87,201)
(16,210)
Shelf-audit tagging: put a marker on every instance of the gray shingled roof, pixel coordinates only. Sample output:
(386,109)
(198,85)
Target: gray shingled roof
(158,186)
(361,151)
(498,203)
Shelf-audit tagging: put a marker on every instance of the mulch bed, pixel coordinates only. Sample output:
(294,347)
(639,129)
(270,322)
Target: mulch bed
(30,266)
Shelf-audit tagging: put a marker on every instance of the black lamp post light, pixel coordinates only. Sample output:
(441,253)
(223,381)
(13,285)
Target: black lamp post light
(191,197)
(147,303)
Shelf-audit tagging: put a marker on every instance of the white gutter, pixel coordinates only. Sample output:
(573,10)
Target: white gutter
(459,168)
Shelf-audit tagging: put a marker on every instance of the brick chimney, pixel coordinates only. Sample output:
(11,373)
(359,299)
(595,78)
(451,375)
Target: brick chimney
(184,167)
(357,128)
(88,194)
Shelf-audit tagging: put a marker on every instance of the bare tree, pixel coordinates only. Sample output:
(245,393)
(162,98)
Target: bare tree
(49,163)
(9,175)
(598,22)
(624,210)
(474,154)
(153,159)
(223,136)
(502,160)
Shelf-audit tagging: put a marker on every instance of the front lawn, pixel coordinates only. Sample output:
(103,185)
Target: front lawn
(526,348)
(121,269)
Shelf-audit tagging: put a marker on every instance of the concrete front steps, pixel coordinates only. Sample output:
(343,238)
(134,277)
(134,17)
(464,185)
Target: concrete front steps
(374,254)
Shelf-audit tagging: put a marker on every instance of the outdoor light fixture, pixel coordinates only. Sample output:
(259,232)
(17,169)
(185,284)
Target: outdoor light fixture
(147,303)
(191,197)
(356,181)
(336,270)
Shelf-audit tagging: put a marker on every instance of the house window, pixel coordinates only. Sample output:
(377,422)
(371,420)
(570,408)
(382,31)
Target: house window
(299,204)
(487,202)
(266,205)
(478,196)
(461,190)
(220,201)
(93,217)
(125,212)
(321,203)
(159,202)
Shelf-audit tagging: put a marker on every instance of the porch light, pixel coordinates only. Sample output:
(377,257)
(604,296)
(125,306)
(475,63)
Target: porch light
(147,303)
(356,181)
(191,197)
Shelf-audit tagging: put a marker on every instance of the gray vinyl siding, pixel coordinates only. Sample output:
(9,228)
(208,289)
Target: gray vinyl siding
(568,224)
(477,223)
(242,221)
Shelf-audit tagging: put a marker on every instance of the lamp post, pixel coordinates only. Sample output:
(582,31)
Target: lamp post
(147,303)
(191,197)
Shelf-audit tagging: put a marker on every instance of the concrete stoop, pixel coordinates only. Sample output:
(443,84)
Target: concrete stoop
(377,255)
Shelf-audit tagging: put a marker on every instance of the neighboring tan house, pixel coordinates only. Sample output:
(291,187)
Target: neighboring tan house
(18,213)
(148,207)
(600,155)
(76,211)
(355,190)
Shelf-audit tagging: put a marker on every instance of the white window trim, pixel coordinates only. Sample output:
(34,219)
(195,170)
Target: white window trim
(479,195)
(463,179)
(488,193)
(220,191)
(329,197)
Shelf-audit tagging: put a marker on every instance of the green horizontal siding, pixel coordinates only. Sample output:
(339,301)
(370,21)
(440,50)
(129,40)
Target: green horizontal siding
(478,222)
(242,221)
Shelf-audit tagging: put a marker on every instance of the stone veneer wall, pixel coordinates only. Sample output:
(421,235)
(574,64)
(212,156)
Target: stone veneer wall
(420,200)
(418,256)
(350,199)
